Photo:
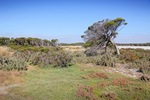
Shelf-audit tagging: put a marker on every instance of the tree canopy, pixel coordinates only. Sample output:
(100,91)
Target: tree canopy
(27,41)
(101,33)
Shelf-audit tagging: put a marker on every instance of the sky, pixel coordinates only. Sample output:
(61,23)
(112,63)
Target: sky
(66,20)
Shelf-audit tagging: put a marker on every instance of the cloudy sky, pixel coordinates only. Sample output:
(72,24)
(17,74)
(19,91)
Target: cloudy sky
(66,20)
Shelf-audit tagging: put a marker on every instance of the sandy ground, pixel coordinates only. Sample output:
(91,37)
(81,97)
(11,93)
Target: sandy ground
(80,48)
(135,47)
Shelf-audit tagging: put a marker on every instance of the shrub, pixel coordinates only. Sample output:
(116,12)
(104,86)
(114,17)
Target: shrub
(128,55)
(46,56)
(79,57)
(106,59)
(12,63)
(137,58)
(59,58)
(103,60)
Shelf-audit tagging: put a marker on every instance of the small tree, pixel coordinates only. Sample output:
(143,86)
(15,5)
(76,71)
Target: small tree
(54,42)
(101,34)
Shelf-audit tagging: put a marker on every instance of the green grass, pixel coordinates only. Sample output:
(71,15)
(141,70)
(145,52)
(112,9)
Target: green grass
(52,83)
(62,84)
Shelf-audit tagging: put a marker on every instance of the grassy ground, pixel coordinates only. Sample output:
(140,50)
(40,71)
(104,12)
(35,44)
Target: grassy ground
(65,83)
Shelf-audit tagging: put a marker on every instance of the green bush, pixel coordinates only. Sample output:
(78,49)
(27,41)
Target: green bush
(59,58)
(106,59)
(79,57)
(103,60)
(12,63)
(46,56)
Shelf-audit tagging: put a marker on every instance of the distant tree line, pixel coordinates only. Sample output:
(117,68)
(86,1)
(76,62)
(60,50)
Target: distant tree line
(118,44)
(72,44)
(4,41)
(133,44)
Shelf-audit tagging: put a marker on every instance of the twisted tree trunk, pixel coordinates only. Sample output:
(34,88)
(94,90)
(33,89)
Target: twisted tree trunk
(117,50)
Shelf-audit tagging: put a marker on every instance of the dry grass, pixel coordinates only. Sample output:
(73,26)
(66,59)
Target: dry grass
(5,51)
(73,48)
(10,77)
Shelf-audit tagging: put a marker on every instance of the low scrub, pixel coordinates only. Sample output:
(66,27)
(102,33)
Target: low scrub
(40,56)
(106,59)
(103,60)
(136,58)
(12,63)
(45,56)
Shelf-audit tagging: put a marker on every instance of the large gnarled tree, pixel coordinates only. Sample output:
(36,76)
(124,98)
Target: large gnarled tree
(101,33)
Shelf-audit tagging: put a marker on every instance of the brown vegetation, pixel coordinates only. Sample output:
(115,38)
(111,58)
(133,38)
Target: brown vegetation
(86,92)
(109,96)
(10,77)
(5,51)
(120,81)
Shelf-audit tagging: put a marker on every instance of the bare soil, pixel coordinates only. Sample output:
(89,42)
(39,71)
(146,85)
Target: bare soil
(124,71)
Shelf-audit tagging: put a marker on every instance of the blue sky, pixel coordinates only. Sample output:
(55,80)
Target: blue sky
(66,20)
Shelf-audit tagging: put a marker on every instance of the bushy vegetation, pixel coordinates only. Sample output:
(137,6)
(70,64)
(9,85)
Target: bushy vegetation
(72,44)
(5,41)
(133,44)
(133,58)
(136,58)
(76,82)
(23,56)
(103,60)
(12,63)
(8,61)
(106,59)
(43,57)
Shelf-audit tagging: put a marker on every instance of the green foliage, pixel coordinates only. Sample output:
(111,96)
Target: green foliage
(27,41)
(100,34)
(4,41)
(72,44)
(43,57)
(12,63)
(110,23)
(118,19)
(29,48)
(87,44)
(55,59)
(133,44)
(103,60)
